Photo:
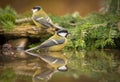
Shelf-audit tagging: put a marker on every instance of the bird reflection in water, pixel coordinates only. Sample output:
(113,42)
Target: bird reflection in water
(55,62)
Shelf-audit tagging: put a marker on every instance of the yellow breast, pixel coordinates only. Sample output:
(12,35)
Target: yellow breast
(58,47)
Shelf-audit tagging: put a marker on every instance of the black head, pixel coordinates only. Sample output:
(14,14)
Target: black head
(62,33)
(37,7)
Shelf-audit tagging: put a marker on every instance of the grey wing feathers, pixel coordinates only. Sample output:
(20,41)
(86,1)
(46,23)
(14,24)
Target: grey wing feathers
(48,44)
(45,22)
(52,42)
(51,59)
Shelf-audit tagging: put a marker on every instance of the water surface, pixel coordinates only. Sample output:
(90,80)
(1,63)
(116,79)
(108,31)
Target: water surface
(69,66)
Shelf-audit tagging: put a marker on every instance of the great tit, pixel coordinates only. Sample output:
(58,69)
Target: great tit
(55,43)
(43,21)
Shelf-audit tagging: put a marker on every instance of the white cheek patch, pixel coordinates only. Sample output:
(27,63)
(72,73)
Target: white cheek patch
(34,10)
(62,68)
(62,34)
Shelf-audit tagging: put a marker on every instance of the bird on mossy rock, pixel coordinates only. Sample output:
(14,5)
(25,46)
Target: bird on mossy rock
(55,43)
(43,21)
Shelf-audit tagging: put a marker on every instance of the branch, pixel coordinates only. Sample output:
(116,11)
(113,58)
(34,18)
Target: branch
(23,20)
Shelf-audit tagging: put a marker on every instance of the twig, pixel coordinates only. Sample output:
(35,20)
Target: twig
(23,20)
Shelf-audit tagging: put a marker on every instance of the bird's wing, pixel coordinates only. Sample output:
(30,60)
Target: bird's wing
(52,60)
(48,44)
(47,22)
(52,42)
(44,21)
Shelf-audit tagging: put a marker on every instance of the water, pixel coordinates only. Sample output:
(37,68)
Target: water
(82,66)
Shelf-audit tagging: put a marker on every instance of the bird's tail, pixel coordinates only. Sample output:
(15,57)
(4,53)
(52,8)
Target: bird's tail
(58,27)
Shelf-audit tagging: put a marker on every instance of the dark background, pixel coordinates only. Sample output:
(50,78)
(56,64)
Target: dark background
(56,7)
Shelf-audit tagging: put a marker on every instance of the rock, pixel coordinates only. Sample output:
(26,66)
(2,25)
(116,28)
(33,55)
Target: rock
(15,48)
(19,44)
(24,30)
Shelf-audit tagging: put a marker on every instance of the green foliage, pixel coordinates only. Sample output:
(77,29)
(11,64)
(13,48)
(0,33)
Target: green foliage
(94,31)
(7,17)
(8,25)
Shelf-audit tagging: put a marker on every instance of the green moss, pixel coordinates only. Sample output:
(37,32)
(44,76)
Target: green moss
(7,17)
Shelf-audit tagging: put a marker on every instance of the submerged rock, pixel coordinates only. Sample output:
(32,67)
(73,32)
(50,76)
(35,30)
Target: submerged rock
(15,48)
(19,44)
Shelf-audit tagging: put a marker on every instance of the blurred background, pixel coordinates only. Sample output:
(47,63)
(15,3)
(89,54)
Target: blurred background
(55,7)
